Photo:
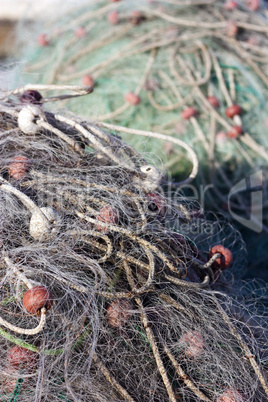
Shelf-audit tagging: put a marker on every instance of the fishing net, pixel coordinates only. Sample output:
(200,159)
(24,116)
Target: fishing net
(195,70)
(111,290)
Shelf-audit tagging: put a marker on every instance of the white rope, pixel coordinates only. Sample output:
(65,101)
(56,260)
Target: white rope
(164,137)
(25,331)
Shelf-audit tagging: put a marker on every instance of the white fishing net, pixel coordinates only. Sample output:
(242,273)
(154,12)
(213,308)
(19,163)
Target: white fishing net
(110,290)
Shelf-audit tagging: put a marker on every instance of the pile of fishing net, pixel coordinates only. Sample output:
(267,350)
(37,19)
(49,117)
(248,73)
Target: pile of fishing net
(195,70)
(110,290)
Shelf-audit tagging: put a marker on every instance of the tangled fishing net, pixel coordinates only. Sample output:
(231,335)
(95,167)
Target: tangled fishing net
(196,70)
(111,291)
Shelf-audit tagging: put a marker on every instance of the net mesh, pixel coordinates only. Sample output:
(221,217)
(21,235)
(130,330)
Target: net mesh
(110,290)
(153,63)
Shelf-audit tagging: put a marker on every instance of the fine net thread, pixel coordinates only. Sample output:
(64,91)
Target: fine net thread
(172,55)
(139,310)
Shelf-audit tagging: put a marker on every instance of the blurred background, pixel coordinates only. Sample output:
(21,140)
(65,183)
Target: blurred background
(13,12)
